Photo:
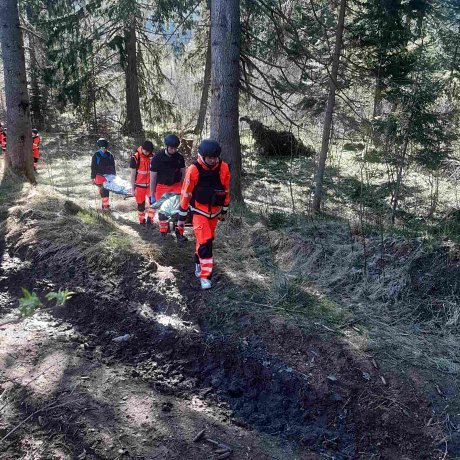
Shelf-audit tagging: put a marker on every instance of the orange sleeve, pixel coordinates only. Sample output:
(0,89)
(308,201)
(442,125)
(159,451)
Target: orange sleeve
(190,181)
(225,179)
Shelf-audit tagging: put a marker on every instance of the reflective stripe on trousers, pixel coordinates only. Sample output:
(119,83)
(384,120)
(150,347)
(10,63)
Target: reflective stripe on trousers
(204,230)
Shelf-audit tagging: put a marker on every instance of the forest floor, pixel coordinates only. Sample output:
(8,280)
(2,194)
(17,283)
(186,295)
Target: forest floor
(270,362)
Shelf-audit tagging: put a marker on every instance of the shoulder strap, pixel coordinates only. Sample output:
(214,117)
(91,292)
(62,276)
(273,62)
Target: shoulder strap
(201,169)
(137,160)
(198,166)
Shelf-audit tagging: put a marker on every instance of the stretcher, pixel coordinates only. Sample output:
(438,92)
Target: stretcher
(117,185)
(168,205)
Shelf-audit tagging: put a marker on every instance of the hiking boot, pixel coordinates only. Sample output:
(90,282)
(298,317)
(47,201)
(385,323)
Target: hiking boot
(181,238)
(205,283)
(149,222)
(197,270)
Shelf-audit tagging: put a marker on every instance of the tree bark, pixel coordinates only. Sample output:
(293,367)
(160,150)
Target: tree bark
(205,92)
(19,158)
(37,111)
(399,176)
(377,110)
(133,124)
(37,116)
(225,76)
(329,108)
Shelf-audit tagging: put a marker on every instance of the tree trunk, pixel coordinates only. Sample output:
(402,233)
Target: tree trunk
(37,112)
(35,91)
(399,176)
(377,111)
(19,158)
(205,92)
(225,76)
(133,124)
(329,108)
(92,96)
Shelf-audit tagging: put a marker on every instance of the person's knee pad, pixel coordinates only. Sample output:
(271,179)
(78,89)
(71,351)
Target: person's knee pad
(141,207)
(205,250)
(162,216)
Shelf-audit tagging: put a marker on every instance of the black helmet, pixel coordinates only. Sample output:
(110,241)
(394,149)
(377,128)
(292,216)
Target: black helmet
(209,148)
(147,145)
(35,130)
(101,142)
(171,140)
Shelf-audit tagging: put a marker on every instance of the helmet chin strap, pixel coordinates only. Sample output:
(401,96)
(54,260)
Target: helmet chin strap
(205,162)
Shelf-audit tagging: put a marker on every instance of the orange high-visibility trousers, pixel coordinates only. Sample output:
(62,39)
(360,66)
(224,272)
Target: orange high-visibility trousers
(103,192)
(161,189)
(204,230)
(142,194)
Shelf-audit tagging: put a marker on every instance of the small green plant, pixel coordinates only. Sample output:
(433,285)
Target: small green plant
(29,303)
(61,297)
(277,219)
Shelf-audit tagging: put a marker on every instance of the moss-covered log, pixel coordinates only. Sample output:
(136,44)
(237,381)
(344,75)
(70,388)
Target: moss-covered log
(269,142)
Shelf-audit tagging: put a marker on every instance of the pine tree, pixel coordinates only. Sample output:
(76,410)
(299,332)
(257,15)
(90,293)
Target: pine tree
(225,75)
(329,108)
(19,142)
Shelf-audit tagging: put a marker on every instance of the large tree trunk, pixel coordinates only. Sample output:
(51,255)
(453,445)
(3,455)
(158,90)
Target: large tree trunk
(205,92)
(329,108)
(37,110)
(19,158)
(36,104)
(133,124)
(225,76)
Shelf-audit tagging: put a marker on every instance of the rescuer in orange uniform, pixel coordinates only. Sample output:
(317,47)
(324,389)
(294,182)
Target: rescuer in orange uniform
(102,163)
(35,147)
(206,194)
(167,171)
(2,138)
(140,181)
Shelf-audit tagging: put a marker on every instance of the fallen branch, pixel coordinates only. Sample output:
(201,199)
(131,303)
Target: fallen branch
(50,406)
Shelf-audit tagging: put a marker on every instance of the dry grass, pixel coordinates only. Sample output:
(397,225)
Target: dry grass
(320,273)
(49,232)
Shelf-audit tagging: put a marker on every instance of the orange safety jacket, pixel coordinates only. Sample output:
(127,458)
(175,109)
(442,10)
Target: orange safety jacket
(142,163)
(35,144)
(206,190)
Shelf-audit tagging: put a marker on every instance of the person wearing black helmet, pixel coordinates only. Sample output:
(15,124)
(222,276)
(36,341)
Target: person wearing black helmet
(140,180)
(102,163)
(35,147)
(206,193)
(167,171)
